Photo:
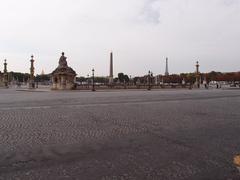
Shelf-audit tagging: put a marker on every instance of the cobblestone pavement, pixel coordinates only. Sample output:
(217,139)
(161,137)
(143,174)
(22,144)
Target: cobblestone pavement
(169,135)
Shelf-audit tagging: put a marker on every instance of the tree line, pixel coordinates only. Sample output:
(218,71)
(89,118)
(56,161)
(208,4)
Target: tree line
(124,78)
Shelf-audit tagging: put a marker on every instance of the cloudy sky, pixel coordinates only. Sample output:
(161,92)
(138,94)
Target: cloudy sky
(141,33)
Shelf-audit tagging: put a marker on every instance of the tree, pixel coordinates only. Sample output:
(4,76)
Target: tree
(43,78)
(121,77)
(20,77)
(126,78)
(115,80)
(102,80)
(81,79)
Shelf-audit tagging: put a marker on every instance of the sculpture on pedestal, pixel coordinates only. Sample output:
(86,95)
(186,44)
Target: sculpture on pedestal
(63,77)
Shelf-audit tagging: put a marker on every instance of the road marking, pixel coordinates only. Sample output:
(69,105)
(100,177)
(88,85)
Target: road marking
(25,108)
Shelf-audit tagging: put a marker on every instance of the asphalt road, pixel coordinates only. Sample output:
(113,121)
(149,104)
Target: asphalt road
(161,135)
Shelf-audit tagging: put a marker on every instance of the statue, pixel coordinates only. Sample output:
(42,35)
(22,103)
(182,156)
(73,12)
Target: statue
(63,77)
(62,61)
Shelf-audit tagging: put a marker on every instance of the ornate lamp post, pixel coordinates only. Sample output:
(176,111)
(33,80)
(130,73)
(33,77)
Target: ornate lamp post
(130,80)
(197,75)
(5,74)
(88,81)
(31,80)
(93,83)
(149,79)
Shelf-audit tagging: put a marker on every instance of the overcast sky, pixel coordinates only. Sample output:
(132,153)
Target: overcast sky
(141,34)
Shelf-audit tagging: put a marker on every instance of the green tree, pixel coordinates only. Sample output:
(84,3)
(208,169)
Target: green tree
(126,78)
(43,77)
(81,79)
(121,77)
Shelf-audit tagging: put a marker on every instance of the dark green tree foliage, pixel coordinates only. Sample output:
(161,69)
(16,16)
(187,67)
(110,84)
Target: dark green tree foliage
(17,76)
(97,79)
(43,78)
(102,80)
(213,75)
(123,77)
(115,80)
(126,78)
(81,79)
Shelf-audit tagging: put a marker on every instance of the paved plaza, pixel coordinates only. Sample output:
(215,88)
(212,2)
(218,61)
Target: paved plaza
(119,135)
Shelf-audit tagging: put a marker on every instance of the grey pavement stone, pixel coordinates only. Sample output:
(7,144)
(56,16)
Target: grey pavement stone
(177,134)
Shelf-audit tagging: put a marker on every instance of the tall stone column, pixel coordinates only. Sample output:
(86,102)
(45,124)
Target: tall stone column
(197,75)
(31,79)
(111,69)
(5,74)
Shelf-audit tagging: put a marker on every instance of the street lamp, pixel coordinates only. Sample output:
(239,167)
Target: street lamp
(5,74)
(149,83)
(31,79)
(93,84)
(130,80)
(197,75)
(88,81)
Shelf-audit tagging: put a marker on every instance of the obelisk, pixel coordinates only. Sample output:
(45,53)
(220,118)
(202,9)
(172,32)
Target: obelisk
(111,69)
